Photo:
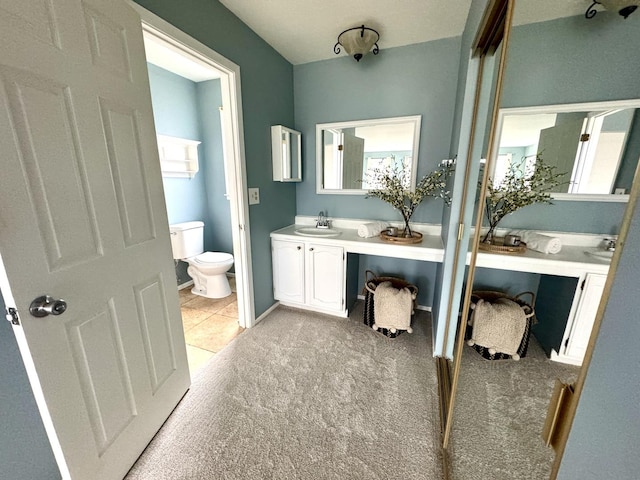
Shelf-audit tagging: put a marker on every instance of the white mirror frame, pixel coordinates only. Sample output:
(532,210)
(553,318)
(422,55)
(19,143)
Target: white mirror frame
(567,108)
(415,119)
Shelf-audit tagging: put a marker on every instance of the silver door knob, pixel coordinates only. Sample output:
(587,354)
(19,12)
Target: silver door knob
(45,305)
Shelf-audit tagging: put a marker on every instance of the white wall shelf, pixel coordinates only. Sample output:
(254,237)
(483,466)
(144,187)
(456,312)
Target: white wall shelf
(178,156)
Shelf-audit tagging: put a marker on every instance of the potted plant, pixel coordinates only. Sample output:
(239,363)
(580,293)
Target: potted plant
(519,188)
(391,187)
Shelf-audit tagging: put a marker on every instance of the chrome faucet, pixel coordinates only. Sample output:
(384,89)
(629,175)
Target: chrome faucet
(322,221)
(610,244)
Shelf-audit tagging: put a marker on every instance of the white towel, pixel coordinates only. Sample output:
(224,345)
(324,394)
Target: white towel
(538,242)
(392,307)
(498,326)
(372,229)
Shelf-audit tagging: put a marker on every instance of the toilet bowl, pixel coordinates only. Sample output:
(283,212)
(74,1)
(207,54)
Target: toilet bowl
(207,269)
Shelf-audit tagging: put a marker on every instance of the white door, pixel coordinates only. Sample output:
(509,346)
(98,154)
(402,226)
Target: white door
(325,277)
(585,316)
(288,271)
(559,146)
(82,218)
(352,161)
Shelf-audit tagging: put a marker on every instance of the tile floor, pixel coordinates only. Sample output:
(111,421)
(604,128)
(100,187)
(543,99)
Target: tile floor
(209,324)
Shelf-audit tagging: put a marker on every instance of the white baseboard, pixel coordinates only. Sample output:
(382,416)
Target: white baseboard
(419,307)
(185,285)
(266,313)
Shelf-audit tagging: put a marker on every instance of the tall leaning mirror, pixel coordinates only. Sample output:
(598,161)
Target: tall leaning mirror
(487,64)
(500,416)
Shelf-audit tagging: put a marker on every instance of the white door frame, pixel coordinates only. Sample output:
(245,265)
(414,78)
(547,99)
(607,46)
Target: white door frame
(233,146)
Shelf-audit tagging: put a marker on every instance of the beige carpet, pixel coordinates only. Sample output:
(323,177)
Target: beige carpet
(500,410)
(306,396)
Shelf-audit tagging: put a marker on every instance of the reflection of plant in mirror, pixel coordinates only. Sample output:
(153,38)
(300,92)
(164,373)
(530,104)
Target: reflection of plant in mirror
(391,190)
(518,190)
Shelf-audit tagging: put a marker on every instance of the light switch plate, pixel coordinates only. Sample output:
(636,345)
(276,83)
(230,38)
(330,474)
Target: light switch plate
(254,196)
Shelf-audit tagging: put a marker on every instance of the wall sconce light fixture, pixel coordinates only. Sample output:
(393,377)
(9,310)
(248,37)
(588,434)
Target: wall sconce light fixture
(623,7)
(358,41)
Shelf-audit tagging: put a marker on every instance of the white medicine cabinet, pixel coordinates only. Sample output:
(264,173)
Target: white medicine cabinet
(286,147)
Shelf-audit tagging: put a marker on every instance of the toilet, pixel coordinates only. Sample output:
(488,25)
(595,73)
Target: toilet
(207,269)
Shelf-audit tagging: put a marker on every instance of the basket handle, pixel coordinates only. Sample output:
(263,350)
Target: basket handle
(533,297)
(367,274)
(372,290)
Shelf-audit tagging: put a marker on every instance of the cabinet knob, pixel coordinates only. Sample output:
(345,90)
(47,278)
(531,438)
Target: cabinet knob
(298,247)
(311,249)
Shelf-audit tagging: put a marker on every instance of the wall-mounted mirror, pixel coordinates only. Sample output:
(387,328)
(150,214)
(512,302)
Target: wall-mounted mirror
(596,144)
(286,154)
(348,151)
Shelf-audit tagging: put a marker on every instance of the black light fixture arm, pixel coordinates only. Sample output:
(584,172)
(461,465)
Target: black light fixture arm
(624,11)
(591,12)
(362,28)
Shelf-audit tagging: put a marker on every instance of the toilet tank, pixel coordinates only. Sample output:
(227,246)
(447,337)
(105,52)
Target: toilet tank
(187,239)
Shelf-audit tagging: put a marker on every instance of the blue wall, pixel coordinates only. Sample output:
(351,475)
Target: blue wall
(417,79)
(25,453)
(218,235)
(267,99)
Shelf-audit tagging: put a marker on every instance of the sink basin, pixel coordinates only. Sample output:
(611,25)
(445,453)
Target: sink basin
(599,253)
(317,232)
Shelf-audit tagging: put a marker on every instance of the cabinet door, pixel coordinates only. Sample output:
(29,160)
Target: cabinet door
(585,315)
(288,271)
(325,277)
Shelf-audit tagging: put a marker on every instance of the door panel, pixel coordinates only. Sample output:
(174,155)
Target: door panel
(36,104)
(82,217)
(98,353)
(159,344)
(128,176)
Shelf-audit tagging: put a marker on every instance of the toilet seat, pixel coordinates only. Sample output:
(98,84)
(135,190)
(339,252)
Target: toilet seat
(212,258)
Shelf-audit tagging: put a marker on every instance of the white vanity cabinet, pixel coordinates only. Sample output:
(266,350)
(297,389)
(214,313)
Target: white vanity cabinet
(309,275)
(578,331)
(566,309)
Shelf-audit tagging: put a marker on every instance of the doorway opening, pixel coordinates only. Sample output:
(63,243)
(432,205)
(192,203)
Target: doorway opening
(177,63)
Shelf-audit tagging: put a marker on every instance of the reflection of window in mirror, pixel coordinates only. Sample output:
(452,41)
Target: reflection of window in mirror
(589,146)
(350,153)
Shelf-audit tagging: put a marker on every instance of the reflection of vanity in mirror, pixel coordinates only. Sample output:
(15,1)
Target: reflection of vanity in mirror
(349,151)
(595,144)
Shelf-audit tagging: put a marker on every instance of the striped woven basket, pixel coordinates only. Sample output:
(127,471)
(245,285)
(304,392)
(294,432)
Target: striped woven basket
(491,297)
(371,282)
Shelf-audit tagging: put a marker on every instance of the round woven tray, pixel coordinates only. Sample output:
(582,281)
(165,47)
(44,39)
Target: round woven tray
(498,247)
(416,238)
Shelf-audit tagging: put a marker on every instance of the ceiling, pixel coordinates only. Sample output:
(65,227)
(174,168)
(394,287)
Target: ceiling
(304,31)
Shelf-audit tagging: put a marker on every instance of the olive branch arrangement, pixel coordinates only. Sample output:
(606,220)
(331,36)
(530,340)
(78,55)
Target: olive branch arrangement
(518,189)
(391,187)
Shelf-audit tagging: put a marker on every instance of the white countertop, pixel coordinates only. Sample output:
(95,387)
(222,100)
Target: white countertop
(430,249)
(572,261)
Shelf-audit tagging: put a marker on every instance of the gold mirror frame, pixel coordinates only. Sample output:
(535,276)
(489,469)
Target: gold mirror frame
(494,30)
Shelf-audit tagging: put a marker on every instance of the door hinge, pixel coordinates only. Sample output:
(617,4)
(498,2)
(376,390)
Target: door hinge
(584,137)
(12,316)
(566,343)
(582,284)
(460,231)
